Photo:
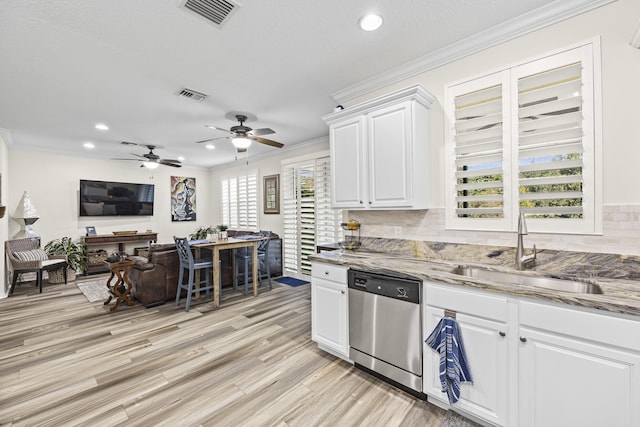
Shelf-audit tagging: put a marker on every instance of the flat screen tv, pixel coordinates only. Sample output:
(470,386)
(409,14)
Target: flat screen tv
(104,198)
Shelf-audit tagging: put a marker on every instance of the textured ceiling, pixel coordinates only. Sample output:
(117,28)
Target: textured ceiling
(68,64)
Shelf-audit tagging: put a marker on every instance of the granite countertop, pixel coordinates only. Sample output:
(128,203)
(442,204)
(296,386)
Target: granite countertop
(620,286)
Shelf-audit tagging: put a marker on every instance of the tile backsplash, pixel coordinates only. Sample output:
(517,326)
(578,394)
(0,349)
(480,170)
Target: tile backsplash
(621,231)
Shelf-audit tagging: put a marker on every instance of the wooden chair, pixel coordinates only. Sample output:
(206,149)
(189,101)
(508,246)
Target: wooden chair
(25,256)
(246,255)
(188,263)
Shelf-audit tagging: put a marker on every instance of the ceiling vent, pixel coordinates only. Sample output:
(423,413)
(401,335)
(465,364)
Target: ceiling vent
(192,94)
(127,143)
(216,11)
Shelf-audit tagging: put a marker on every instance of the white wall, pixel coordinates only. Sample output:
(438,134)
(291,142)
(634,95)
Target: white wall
(614,24)
(4,222)
(265,167)
(52,182)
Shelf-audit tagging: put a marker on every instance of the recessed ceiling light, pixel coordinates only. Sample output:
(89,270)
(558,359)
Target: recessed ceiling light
(210,146)
(370,22)
(89,145)
(102,126)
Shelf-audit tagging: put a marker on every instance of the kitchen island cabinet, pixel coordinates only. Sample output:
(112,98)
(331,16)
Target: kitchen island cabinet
(379,152)
(329,308)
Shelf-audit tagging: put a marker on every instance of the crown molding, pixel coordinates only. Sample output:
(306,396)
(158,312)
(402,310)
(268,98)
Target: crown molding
(539,18)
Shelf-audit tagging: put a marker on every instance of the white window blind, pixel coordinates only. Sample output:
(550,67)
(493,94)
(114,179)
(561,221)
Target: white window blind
(524,139)
(307,214)
(240,202)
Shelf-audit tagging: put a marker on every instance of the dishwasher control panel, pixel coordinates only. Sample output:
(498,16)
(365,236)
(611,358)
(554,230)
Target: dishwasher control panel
(389,286)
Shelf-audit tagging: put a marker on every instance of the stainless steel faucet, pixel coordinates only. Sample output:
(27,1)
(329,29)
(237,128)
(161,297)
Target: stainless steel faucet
(523,261)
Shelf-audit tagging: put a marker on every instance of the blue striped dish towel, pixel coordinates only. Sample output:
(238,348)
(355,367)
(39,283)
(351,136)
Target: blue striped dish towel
(446,339)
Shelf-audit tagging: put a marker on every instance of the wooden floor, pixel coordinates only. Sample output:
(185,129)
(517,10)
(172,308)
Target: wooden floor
(251,362)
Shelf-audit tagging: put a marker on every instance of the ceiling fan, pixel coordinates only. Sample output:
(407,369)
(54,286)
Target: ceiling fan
(151,160)
(241,136)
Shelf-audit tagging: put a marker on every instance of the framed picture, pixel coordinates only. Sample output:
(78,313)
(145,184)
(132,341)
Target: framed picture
(183,198)
(91,230)
(271,196)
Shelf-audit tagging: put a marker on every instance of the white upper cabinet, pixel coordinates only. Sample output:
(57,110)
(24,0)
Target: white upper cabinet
(379,152)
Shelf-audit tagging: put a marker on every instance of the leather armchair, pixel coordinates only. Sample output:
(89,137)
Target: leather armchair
(155,277)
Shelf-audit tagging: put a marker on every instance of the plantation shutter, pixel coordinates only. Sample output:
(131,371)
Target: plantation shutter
(327,223)
(525,139)
(307,214)
(289,186)
(551,141)
(240,202)
(477,153)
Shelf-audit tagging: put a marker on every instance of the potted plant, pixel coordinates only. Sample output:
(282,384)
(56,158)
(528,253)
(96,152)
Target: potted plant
(76,253)
(222,232)
(201,233)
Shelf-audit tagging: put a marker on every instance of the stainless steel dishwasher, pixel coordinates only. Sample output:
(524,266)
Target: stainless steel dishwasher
(385,332)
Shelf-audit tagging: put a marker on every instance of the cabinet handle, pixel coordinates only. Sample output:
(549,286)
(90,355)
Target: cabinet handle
(369,201)
(342,292)
(502,333)
(326,273)
(523,339)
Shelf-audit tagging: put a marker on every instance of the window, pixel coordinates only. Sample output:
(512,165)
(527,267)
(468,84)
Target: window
(525,139)
(308,217)
(240,202)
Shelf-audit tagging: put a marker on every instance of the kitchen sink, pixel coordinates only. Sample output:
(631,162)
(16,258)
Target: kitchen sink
(557,284)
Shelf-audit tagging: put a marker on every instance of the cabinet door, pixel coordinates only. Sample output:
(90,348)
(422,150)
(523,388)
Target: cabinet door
(577,367)
(347,162)
(571,382)
(486,348)
(390,166)
(329,322)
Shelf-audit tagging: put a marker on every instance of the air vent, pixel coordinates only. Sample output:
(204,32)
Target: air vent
(127,143)
(192,94)
(216,11)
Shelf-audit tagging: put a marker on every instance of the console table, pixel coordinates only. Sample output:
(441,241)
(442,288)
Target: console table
(121,240)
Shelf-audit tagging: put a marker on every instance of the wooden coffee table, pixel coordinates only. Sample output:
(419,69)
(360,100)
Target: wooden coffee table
(122,288)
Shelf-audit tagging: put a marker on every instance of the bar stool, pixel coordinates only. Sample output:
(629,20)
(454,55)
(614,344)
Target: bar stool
(263,262)
(187,262)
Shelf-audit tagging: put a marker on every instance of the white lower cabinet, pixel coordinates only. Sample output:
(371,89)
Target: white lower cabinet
(538,364)
(483,320)
(329,308)
(577,368)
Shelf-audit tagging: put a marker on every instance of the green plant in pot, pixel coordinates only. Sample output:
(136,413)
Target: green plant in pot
(201,233)
(76,253)
(222,231)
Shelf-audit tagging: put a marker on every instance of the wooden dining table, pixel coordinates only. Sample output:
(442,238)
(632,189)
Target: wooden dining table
(230,243)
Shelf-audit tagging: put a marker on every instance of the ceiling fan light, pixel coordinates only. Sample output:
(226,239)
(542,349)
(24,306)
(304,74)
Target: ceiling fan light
(150,165)
(241,142)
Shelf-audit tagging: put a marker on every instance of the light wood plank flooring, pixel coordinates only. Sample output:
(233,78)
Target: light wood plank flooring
(251,362)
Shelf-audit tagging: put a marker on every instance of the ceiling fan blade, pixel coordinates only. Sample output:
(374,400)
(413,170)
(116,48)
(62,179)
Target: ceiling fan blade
(139,155)
(173,163)
(269,142)
(135,160)
(211,139)
(262,131)
(217,128)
